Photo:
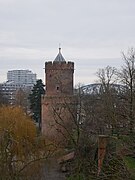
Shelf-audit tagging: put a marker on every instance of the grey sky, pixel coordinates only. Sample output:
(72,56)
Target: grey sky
(92,33)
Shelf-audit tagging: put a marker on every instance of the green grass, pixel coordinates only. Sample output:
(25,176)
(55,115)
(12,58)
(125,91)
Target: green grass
(77,177)
(130,163)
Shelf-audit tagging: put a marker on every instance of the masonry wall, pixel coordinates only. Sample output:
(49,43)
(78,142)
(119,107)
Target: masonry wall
(58,117)
(59,78)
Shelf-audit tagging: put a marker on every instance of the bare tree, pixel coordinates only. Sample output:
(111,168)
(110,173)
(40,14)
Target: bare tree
(107,77)
(127,78)
(108,97)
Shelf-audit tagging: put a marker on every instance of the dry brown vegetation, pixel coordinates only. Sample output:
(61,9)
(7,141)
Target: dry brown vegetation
(21,151)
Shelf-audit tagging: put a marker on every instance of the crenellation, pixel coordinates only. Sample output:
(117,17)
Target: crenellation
(59,65)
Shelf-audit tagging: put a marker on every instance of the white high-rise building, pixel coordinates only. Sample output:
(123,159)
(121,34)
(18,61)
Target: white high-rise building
(17,79)
(21,77)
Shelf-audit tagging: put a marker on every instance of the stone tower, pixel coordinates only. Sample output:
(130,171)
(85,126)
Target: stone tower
(58,104)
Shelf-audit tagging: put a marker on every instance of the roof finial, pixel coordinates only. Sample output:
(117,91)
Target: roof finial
(59,57)
(59,47)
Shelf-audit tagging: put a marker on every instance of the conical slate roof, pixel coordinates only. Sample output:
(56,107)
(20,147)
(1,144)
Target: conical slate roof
(59,57)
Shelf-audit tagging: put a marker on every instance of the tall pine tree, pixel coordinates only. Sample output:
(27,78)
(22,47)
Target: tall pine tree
(35,100)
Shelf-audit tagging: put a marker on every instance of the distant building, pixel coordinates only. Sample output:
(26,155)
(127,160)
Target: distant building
(22,77)
(17,79)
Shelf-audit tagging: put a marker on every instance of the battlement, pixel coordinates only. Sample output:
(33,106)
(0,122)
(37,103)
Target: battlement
(59,65)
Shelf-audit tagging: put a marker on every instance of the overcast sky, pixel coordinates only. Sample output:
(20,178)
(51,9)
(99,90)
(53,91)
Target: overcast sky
(92,33)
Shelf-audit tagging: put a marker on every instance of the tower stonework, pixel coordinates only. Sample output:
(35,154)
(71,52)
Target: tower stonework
(59,78)
(58,104)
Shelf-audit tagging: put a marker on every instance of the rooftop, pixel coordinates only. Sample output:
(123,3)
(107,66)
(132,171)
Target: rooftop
(59,57)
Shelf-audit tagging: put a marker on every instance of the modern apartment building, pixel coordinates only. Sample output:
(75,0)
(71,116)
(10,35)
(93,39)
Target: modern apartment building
(22,77)
(17,79)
